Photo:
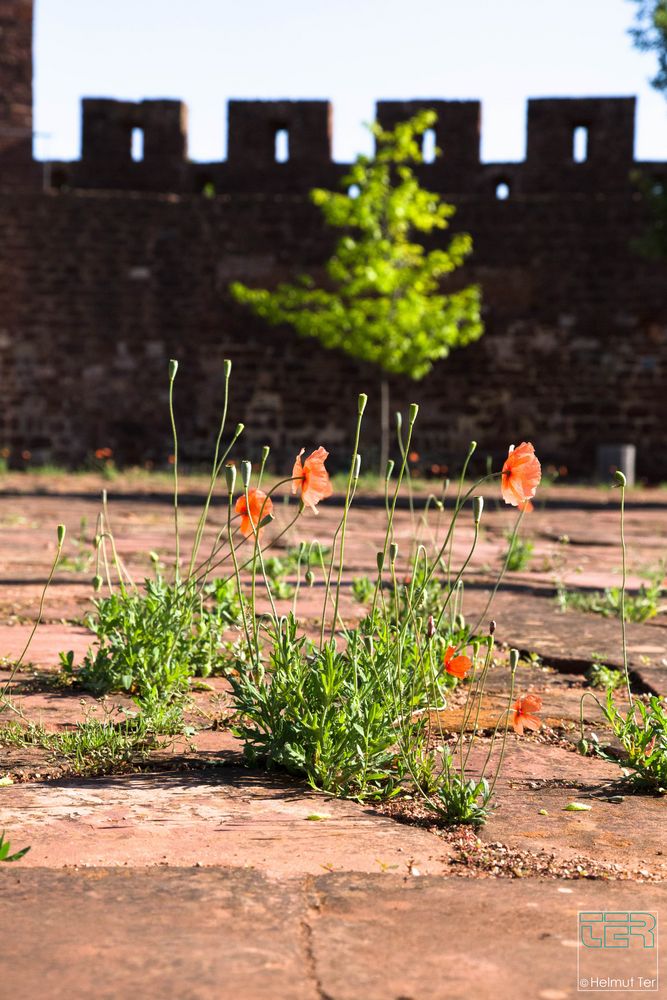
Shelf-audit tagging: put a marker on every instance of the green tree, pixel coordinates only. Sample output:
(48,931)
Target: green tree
(384,302)
(650,35)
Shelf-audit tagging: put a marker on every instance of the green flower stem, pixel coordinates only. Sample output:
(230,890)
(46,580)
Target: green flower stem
(471,452)
(626,669)
(257,556)
(501,575)
(215,472)
(40,612)
(452,590)
(389,533)
(172,418)
(237,576)
(204,566)
(120,567)
(504,743)
(478,694)
(349,495)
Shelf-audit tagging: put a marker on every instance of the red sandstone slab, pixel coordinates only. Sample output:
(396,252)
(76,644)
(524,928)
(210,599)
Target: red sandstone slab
(217,933)
(430,939)
(152,934)
(49,640)
(227,817)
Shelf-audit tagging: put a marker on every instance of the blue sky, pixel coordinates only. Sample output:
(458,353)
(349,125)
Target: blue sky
(350,51)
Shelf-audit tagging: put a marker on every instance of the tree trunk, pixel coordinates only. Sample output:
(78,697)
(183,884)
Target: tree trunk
(384,425)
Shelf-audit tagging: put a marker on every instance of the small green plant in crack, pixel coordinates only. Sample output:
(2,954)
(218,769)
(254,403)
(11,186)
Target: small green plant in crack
(94,746)
(642,735)
(5,848)
(519,552)
(362,589)
(639,607)
(641,730)
(83,553)
(599,675)
(150,642)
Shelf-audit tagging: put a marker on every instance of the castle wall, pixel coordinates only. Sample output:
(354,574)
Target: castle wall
(112,266)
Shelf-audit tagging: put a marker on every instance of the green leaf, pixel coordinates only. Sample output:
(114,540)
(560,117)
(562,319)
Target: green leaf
(577,807)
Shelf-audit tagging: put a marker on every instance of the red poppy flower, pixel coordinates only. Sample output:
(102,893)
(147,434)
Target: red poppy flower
(311,478)
(458,666)
(260,507)
(522,718)
(521,475)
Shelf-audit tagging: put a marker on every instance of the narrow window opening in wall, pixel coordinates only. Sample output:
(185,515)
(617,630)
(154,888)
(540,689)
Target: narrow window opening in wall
(580,144)
(502,191)
(428,146)
(354,191)
(281,147)
(137,146)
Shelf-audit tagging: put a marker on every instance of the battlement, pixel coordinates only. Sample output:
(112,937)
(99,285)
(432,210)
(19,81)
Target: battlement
(574,145)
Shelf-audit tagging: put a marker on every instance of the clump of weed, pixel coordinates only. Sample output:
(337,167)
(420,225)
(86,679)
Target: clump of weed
(599,675)
(92,747)
(519,552)
(639,607)
(641,730)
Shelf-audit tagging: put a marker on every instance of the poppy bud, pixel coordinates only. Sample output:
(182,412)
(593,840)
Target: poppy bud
(477,508)
(246,473)
(492,626)
(582,746)
(266,451)
(412,412)
(357,466)
(514,659)
(430,627)
(310,578)
(227,368)
(620,479)
(97,583)
(471,448)
(363,399)
(230,477)
(445,485)
(154,557)
(389,469)
(61,534)
(173,368)
(393,552)
(399,421)
(379,558)
(459,623)
(265,520)
(239,430)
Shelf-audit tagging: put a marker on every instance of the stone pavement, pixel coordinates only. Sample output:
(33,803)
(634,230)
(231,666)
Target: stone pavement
(230,933)
(200,878)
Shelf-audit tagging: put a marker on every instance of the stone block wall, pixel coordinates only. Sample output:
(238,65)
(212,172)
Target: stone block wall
(110,265)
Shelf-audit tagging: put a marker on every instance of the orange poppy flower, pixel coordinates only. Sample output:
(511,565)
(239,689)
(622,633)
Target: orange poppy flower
(521,475)
(458,666)
(260,507)
(311,478)
(521,717)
